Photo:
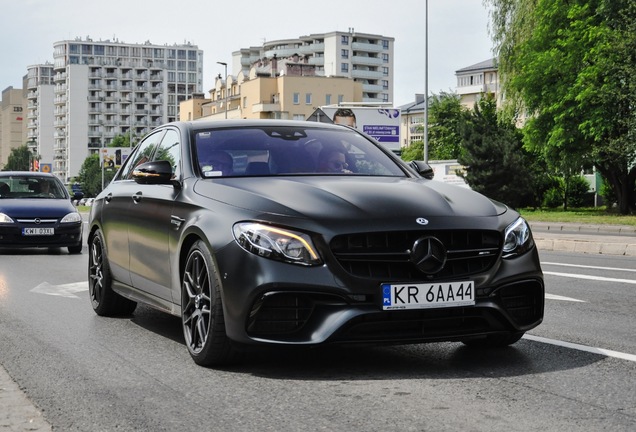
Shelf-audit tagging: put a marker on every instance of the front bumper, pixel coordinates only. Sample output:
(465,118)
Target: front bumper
(67,234)
(277,303)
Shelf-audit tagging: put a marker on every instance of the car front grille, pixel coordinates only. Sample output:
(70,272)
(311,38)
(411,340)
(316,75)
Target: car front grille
(386,255)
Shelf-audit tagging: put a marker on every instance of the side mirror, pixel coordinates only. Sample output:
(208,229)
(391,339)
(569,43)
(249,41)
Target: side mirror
(155,172)
(423,169)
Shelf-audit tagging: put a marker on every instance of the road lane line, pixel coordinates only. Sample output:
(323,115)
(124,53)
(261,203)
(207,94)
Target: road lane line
(601,351)
(589,267)
(596,278)
(558,297)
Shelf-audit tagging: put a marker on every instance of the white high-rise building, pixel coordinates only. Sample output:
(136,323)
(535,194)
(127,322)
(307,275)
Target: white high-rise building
(103,89)
(40,106)
(367,58)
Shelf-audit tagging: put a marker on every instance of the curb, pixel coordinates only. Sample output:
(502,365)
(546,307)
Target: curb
(616,240)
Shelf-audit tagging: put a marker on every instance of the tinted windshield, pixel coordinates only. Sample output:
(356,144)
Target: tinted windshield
(270,151)
(27,186)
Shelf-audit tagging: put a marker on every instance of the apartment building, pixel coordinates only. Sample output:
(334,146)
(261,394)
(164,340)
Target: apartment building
(472,83)
(285,88)
(39,113)
(476,80)
(102,89)
(11,122)
(366,58)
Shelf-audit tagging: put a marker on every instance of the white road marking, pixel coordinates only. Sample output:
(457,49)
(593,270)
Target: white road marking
(596,278)
(66,290)
(594,350)
(558,297)
(589,267)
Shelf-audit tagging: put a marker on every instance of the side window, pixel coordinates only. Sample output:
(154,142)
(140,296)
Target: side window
(170,150)
(142,154)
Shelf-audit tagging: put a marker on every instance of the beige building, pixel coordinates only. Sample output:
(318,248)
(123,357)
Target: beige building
(290,91)
(12,120)
(476,80)
(472,83)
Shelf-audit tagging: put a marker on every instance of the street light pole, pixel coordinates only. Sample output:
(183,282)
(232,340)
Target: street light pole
(226,98)
(426,85)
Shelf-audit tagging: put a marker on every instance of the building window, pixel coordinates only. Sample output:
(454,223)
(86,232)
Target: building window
(299,117)
(344,40)
(340,99)
(385,58)
(245,102)
(344,67)
(385,44)
(296,98)
(344,53)
(385,71)
(308,98)
(328,99)
(385,84)
(385,97)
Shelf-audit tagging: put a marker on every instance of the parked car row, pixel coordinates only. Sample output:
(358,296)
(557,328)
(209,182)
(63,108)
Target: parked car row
(84,202)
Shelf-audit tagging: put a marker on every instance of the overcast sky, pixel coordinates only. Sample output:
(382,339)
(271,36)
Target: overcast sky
(457,31)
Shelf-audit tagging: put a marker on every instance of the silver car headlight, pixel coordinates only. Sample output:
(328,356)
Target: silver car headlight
(5,219)
(517,239)
(72,217)
(276,243)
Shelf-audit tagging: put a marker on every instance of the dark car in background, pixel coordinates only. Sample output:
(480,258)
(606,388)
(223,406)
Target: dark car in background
(36,212)
(298,233)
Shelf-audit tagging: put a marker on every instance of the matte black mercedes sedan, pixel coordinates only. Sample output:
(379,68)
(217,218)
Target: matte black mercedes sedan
(36,211)
(275,232)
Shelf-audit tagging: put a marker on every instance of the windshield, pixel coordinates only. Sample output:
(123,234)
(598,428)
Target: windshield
(283,150)
(29,186)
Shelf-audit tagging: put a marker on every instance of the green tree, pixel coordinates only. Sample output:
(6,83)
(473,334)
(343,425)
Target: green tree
(19,159)
(90,176)
(120,141)
(496,164)
(446,116)
(572,65)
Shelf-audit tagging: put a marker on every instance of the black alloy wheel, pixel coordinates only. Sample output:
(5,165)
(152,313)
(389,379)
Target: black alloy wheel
(202,310)
(104,300)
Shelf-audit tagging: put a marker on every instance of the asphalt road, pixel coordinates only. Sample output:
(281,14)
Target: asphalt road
(575,372)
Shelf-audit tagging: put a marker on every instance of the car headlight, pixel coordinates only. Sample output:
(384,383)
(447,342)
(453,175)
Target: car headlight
(5,219)
(276,243)
(72,217)
(517,239)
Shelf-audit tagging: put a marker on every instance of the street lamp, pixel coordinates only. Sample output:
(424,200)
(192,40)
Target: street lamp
(225,66)
(426,84)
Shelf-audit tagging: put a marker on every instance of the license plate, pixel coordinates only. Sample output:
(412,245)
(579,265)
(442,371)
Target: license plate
(38,231)
(428,295)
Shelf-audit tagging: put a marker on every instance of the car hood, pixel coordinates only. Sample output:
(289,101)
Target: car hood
(346,198)
(36,207)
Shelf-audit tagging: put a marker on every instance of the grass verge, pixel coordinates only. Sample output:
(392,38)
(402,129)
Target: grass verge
(592,215)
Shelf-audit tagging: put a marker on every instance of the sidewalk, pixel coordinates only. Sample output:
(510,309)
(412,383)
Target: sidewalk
(588,239)
(17,413)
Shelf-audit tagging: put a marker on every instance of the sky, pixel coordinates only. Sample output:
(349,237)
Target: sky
(457,31)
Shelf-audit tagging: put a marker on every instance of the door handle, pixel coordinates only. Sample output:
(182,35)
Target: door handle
(137,197)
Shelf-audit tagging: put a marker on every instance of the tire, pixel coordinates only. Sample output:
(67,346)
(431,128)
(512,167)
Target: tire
(77,249)
(202,310)
(494,341)
(104,300)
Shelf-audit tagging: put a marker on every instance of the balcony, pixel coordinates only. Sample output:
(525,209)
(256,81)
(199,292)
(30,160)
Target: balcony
(366,74)
(368,47)
(366,60)
(265,107)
